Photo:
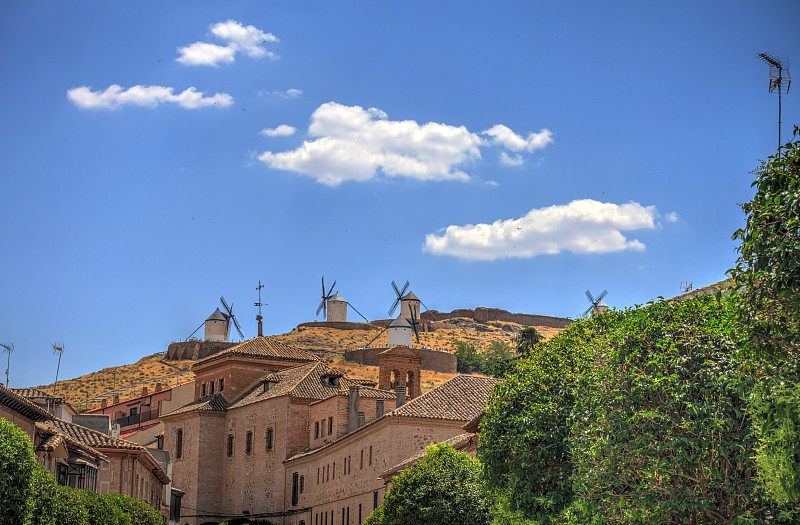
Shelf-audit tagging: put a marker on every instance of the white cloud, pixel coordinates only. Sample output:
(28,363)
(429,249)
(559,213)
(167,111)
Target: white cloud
(582,226)
(491,183)
(510,160)
(115,96)
(672,217)
(289,93)
(508,139)
(353,143)
(237,38)
(284,130)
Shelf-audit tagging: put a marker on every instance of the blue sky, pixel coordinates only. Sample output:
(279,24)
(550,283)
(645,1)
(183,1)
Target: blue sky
(157,155)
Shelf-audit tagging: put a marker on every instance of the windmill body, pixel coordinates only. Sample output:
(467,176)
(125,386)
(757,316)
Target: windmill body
(400,332)
(216,327)
(337,309)
(410,303)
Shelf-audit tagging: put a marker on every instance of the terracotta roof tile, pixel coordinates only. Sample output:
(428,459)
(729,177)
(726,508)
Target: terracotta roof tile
(461,399)
(210,403)
(22,405)
(35,393)
(90,437)
(57,437)
(262,347)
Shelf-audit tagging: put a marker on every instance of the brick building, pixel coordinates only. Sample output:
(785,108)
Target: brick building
(284,437)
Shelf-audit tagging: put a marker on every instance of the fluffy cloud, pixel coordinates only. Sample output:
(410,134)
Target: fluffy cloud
(582,226)
(115,96)
(283,130)
(356,144)
(289,93)
(510,160)
(508,139)
(672,217)
(237,38)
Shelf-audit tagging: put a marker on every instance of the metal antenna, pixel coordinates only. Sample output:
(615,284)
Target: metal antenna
(686,286)
(10,349)
(259,303)
(58,348)
(776,82)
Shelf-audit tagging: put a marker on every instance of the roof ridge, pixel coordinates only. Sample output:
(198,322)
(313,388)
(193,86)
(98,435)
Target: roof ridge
(303,378)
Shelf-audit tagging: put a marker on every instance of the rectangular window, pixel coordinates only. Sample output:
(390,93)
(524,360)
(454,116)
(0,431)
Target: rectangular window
(302,484)
(295,487)
(317,475)
(221,384)
(323,429)
(179,444)
(370,455)
(248,442)
(203,390)
(362,459)
(334,470)
(316,429)
(230,445)
(212,387)
(375,500)
(270,438)
(359,513)
(342,515)
(330,425)
(348,515)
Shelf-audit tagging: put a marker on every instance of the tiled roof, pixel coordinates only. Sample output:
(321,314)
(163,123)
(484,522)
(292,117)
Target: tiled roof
(475,424)
(410,297)
(210,403)
(217,316)
(22,406)
(35,393)
(455,441)
(305,381)
(400,322)
(460,399)
(265,348)
(57,437)
(90,437)
(400,351)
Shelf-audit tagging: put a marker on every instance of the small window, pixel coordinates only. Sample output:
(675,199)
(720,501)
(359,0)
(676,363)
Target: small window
(370,456)
(221,384)
(334,470)
(160,442)
(270,438)
(362,459)
(323,429)
(316,429)
(295,488)
(230,445)
(248,442)
(179,444)
(203,390)
(330,425)
(375,500)
(212,387)
(302,484)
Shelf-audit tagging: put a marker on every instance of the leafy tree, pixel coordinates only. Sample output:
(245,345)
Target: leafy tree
(443,487)
(499,359)
(138,511)
(527,339)
(44,498)
(70,508)
(17,463)
(468,358)
(767,273)
(102,510)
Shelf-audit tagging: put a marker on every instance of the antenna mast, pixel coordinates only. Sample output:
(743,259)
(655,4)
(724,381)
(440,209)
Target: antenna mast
(776,83)
(58,348)
(10,350)
(259,304)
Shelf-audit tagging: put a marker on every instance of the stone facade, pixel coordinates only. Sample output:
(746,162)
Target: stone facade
(435,360)
(484,315)
(195,350)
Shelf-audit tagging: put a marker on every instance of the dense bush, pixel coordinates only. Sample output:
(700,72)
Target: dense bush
(138,511)
(17,463)
(445,486)
(44,500)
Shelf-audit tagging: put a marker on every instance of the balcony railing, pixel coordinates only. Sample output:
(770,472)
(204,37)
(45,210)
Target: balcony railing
(137,419)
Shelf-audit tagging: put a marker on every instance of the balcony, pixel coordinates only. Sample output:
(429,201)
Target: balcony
(137,419)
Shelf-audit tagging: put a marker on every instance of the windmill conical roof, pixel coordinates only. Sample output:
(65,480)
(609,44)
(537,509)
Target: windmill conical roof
(217,316)
(337,297)
(410,297)
(400,322)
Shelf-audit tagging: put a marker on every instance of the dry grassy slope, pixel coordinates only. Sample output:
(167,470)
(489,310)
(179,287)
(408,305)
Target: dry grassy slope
(327,342)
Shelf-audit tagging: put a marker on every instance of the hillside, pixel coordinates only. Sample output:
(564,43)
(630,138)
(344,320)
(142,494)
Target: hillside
(329,343)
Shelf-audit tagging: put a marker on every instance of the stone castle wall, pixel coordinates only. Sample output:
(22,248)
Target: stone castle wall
(339,325)
(484,315)
(195,350)
(434,360)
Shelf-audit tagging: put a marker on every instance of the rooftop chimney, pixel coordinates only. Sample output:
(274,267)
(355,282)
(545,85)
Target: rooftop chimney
(352,417)
(144,390)
(401,396)
(104,403)
(260,325)
(378,408)
(361,419)
(116,399)
(159,388)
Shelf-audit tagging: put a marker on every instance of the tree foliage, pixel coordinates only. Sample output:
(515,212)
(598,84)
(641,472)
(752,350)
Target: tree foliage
(445,486)
(527,339)
(496,361)
(17,463)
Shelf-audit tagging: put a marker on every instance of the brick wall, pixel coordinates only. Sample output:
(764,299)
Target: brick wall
(435,360)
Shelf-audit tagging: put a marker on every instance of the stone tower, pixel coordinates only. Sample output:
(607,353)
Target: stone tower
(400,332)
(399,367)
(337,309)
(216,328)
(408,302)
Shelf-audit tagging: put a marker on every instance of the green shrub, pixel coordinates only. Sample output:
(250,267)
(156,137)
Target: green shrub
(17,463)
(375,517)
(102,510)
(137,511)
(44,498)
(70,508)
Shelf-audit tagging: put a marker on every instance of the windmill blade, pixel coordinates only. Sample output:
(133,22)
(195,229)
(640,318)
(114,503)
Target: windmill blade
(394,305)
(195,331)
(403,291)
(396,289)
(225,305)
(377,336)
(320,307)
(589,296)
(329,295)
(414,324)
(600,297)
(323,286)
(587,311)
(359,313)
(238,328)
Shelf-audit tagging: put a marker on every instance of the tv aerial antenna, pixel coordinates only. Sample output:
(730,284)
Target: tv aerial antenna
(228,313)
(686,286)
(323,306)
(259,304)
(777,82)
(597,303)
(9,348)
(58,348)
(400,294)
